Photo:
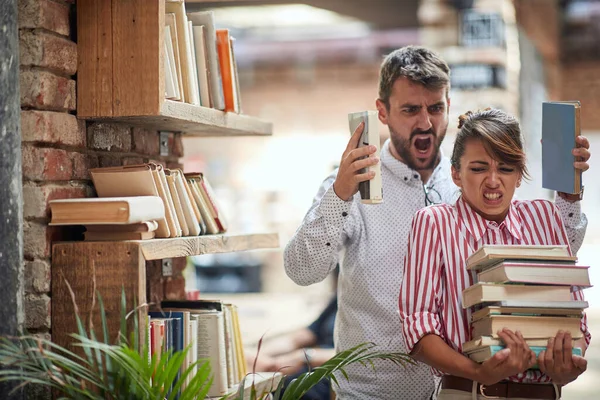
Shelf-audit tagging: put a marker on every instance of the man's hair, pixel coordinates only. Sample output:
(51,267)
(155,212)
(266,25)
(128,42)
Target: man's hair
(416,63)
(499,133)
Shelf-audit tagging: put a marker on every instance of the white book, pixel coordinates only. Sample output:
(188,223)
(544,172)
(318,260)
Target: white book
(194,66)
(371,191)
(170,22)
(188,212)
(177,7)
(199,42)
(229,345)
(211,346)
(193,351)
(207,19)
(235,79)
(177,203)
(171,83)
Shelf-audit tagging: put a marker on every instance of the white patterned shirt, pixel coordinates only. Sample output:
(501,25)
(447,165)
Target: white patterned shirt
(371,241)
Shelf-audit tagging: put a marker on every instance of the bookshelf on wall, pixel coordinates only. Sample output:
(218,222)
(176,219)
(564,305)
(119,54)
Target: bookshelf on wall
(121,73)
(121,80)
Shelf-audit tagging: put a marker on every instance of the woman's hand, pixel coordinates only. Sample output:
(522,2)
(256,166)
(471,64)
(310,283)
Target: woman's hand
(558,362)
(348,177)
(514,359)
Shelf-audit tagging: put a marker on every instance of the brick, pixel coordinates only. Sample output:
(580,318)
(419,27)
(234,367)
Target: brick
(36,240)
(46,164)
(52,127)
(36,197)
(145,142)
(174,165)
(46,14)
(179,265)
(37,311)
(44,49)
(37,277)
(82,163)
(109,160)
(109,137)
(133,160)
(44,90)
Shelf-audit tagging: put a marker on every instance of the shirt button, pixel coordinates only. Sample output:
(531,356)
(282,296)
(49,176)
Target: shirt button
(327,244)
(416,176)
(344,214)
(405,178)
(571,215)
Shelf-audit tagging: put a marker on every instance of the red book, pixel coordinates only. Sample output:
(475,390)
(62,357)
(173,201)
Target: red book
(225,62)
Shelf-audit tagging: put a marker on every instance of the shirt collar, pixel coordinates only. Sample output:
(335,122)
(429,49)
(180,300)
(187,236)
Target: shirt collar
(477,225)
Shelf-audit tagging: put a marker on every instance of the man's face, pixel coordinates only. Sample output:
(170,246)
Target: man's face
(417,120)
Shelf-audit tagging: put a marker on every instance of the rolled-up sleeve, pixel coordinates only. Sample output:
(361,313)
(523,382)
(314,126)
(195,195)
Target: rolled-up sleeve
(421,288)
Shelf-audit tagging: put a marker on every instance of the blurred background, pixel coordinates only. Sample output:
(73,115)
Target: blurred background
(306,65)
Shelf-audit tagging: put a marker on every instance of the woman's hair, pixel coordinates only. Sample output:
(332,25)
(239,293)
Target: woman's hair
(499,133)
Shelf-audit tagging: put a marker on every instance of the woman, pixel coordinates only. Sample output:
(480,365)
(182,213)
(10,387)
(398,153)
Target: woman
(488,164)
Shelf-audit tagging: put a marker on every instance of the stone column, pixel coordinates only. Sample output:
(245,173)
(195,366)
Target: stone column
(11,193)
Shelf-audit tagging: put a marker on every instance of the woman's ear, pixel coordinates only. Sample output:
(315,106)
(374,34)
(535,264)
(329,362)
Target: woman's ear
(382,111)
(456,177)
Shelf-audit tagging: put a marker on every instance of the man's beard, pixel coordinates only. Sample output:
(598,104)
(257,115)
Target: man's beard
(403,148)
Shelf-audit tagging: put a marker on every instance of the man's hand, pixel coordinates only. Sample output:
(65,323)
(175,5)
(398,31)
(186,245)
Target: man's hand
(515,358)
(348,177)
(558,362)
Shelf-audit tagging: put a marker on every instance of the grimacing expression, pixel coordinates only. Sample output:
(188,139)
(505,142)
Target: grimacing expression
(417,119)
(487,185)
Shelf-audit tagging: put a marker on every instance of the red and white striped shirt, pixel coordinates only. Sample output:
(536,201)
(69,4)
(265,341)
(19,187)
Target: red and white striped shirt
(441,239)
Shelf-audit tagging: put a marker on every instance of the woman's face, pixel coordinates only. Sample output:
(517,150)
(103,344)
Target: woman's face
(487,185)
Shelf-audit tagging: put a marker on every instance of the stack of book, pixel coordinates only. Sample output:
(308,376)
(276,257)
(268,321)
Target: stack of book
(210,330)
(137,202)
(110,218)
(525,288)
(199,60)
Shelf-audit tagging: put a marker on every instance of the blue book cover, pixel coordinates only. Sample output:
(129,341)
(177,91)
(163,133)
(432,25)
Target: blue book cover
(560,127)
(536,349)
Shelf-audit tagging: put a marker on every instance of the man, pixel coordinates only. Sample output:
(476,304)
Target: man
(413,102)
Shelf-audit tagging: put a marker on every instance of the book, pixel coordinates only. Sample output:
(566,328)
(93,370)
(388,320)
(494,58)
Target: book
(485,341)
(225,62)
(162,188)
(490,254)
(171,83)
(536,273)
(129,180)
(207,19)
(531,327)
(541,304)
(484,353)
(492,292)
(106,210)
(191,305)
(104,236)
(170,22)
(527,311)
(371,191)
(211,346)
(201,63)
(560,126)
(146,226)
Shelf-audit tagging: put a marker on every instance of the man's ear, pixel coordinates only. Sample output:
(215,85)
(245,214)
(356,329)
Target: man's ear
(382,111)
(456,177)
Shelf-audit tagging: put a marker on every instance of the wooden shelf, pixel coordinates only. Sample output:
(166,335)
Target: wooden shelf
(157,249)
(193,120)
(264,382)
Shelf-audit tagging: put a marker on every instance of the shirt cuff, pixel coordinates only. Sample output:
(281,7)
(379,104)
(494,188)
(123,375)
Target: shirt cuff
(570,212)
(417,325)
(334,209)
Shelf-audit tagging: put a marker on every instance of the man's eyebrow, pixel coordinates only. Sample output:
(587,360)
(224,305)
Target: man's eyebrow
(408,105)
(439,103)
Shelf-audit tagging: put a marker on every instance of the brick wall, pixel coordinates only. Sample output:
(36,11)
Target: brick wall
(58,149)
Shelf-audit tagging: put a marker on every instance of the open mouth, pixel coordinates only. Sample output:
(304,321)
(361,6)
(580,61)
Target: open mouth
(492,196)
(423,144)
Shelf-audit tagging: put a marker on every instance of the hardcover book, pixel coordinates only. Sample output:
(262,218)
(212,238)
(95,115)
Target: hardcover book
(371,191)
(560,127)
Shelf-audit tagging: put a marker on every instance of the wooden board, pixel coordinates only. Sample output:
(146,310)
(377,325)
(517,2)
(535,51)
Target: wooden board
(95,58)
(115,266)
(157,249)
(195,121)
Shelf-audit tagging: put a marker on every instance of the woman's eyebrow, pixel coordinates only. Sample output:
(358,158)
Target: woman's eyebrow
(479,162)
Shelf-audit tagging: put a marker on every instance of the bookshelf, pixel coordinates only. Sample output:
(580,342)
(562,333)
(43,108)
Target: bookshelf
(120,76)
(121,80)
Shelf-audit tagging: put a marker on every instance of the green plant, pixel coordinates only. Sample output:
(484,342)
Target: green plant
(121,371)
(105,371)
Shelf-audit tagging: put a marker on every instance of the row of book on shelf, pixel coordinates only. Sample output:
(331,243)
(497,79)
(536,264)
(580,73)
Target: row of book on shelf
(199,61)
(525,288)
(209,330)
(137,202)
